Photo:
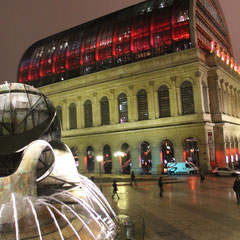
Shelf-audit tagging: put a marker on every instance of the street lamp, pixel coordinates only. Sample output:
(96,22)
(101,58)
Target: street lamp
(117,155)
(100,159)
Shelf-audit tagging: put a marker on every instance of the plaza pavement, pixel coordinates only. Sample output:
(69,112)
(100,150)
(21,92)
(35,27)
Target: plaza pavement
(188,210)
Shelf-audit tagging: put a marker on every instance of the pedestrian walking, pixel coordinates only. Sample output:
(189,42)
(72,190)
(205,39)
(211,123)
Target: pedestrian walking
(160,184)
(236,188)
(115,189)
(202,178)
(133,178)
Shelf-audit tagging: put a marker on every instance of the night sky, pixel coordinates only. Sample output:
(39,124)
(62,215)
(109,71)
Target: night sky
(23,22)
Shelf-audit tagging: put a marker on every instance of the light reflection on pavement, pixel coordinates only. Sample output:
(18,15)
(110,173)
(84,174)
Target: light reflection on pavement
(188,209)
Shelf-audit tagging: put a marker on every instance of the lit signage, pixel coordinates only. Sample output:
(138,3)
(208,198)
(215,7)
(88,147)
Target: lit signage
(225,57)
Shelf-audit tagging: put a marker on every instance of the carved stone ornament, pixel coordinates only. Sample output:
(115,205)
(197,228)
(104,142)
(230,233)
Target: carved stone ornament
(198,74)
(173,78)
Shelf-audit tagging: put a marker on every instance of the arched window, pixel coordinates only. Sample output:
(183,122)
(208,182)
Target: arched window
(105,111)
(107,159)
(187,98)
(191,151)
(88,114)
(90,159)
(123,108)
(142,105)
(167,150)
(205,97)
(72,116)
(163,101)
(59,114)
(146,157)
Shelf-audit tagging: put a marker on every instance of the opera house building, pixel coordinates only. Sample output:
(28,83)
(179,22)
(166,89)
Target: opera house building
(149,84)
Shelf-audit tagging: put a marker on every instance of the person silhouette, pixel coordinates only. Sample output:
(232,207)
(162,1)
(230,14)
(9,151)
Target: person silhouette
(160,184)
(202,178)
(236,188)
(133,178)
(115,189)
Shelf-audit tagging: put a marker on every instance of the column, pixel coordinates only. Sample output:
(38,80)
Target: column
(157,167)
(135,108)
(130,104)
(204,161)
(116,168)
(135,160)
(221,98)
(238,104)
(231,102)
(97,152)
(178,152)
(113,108)
(82,115)
(151,102)
(156,104)
(174,100)
(81,160)
(214,97)
(96,111)
(226,96)
(198,94)
(64,115)
(79,112)
(234,102)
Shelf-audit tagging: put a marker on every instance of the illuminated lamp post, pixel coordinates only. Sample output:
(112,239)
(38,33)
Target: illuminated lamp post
(117,155)
(100,159)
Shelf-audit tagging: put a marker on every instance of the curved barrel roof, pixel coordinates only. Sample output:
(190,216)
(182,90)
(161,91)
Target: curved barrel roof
(148,29)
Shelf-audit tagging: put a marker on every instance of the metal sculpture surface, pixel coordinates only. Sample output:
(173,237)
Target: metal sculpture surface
(30,208)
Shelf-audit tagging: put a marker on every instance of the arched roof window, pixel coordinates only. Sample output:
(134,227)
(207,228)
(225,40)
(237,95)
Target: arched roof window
(142,102)
(187,98)
(104,105)
(123,108)
(88,114)
(72,116)
(163,101)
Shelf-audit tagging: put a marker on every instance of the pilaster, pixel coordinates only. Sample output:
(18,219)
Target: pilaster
(151,102)
(65,115)
(96,111)
(79,112)
(135,160)
(157,166)
(130,104)
(174,98)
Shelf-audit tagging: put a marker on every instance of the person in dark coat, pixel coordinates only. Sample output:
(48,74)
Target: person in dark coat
(236,188)
(202,178)
(160,184)
(133,178)
(115,189)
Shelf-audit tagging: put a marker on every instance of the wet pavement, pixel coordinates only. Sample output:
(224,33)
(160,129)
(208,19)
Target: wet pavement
(188,210)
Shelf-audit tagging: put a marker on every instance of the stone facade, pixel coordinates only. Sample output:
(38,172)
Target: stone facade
(215,125)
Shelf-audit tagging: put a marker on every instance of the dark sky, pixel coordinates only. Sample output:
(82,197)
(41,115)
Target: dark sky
(23,22)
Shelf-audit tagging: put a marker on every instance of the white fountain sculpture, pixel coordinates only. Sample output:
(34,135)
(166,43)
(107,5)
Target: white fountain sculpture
(44,197)
(78,212)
